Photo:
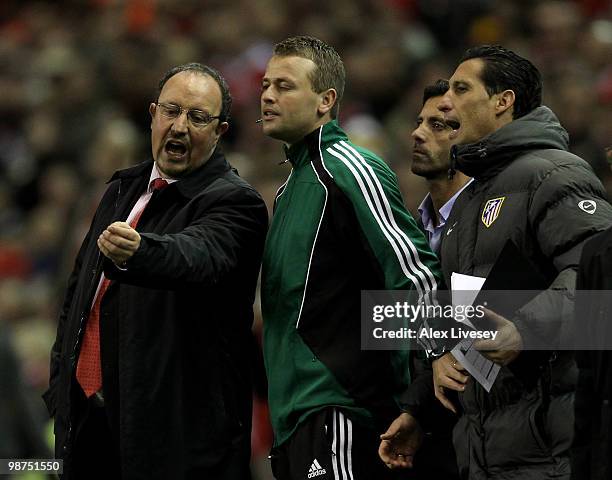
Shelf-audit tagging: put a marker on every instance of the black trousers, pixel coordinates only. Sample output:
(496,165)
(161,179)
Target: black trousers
(328,445)
(95,453)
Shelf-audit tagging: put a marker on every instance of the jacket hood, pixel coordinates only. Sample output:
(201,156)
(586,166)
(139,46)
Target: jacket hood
(540,129)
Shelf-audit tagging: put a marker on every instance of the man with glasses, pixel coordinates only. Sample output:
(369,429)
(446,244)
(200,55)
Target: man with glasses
(150,369)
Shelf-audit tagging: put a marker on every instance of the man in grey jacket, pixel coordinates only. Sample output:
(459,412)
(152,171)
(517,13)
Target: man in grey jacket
(527,189)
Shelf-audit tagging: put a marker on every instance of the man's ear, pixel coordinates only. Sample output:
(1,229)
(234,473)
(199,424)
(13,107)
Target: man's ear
(505,101)
(222,128)
(327,100)
(152,108)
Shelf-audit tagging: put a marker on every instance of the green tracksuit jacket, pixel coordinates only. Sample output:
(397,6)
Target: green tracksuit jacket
(339,227)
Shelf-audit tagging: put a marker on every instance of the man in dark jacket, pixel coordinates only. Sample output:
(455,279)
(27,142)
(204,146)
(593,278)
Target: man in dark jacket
(592,447)
(150,373)
(431,160)
(528,189)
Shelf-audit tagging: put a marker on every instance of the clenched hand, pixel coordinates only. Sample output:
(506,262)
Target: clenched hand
(119,242)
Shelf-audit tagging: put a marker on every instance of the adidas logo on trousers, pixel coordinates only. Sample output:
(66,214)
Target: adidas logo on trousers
(316,469)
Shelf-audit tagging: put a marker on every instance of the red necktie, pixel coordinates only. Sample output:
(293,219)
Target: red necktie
(89,366)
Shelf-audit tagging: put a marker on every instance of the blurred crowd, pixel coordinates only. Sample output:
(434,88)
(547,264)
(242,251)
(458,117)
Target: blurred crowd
(77,77)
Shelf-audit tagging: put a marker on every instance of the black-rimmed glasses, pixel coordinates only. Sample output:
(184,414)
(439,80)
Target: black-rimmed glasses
(197,118)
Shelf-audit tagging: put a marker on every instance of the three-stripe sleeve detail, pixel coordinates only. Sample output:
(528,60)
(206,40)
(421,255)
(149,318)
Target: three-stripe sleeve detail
(380,208)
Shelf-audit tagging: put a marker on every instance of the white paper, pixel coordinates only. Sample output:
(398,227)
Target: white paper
(459,281)
(465,290)
(483,370)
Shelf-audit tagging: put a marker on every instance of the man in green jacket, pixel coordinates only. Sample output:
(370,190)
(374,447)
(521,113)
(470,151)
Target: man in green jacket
(339,227)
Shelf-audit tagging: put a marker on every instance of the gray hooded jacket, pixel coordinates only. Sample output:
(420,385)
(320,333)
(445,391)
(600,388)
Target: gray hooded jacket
(528,189)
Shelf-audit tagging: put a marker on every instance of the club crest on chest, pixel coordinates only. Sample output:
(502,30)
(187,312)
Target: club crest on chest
(491,210)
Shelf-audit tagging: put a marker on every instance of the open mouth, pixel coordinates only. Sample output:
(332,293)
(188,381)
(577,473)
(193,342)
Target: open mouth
(453,124)
(175,148)
(268,114)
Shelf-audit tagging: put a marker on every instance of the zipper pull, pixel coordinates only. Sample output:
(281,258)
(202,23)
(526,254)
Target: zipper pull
(286,148)
(453,162)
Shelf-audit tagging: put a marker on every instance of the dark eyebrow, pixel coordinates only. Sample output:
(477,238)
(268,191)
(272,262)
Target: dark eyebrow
(191,109)
(457,83)
(204,110)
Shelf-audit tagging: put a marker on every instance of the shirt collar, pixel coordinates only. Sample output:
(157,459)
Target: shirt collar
(426,209)
(155,174)
(426,213)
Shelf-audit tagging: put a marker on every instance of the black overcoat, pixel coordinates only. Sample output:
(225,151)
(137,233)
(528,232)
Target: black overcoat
(592,447)
(175,326)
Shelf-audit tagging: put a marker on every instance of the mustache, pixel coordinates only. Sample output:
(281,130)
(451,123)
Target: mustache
(181,138)
(419,150)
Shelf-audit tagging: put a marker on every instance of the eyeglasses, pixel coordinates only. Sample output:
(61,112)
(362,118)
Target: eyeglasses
(197,118)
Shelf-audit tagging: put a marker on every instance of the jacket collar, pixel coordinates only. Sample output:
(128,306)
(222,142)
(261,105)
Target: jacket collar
(188,186)
(325,135)
(540,129)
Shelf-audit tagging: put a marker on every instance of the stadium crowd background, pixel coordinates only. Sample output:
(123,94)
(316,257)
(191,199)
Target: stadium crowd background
(76,79)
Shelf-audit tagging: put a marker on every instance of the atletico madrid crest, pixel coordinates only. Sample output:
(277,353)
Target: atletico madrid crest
(491,210)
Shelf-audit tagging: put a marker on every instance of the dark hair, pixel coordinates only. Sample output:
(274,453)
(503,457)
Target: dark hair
(226,97)
(435,90)
(505,70)
(329,71)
